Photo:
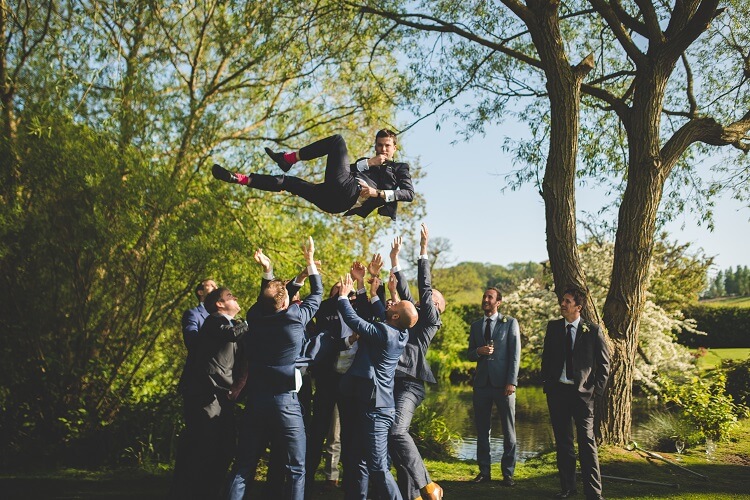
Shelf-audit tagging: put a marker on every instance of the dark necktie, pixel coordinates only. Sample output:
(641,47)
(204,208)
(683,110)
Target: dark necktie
(569,353)
(487,331)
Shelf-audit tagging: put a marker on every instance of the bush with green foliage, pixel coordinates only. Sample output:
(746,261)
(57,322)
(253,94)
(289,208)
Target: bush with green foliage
(704,404)
(725,326)
(432,435)
(663,428)
(738,380)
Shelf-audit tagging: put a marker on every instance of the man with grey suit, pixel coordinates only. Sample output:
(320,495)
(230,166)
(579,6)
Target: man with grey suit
(495,344)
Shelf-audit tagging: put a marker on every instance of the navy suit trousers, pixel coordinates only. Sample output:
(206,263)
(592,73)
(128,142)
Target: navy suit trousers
(278,417)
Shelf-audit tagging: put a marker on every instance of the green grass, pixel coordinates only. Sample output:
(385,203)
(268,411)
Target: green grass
(726,302)
(728,478)
(714,356)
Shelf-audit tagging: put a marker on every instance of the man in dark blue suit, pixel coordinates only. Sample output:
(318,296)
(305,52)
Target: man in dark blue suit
(273,409)
(192,319)
(575,367)
(411,374)
(206,387)
(368,384)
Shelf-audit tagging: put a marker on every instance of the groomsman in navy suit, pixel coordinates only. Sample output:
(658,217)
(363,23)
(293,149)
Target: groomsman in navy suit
(273,410)
(495,344)
(192,319)
(575,368)
(368,384)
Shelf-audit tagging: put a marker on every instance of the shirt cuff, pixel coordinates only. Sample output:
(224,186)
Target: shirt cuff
(374,299)
(311,269)
(346,342)
(362,165)
(425,256)
(269,275)
(395,269)
(343,297)
(361,291)
(390,195)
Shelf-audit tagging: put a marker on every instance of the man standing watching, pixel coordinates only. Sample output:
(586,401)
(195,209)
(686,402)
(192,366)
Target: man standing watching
(495,344)
(575,367)
(358,189)
(192,319)
(412,372)
(206,389)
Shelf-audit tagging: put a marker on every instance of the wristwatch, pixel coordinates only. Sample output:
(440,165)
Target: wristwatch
(381,193)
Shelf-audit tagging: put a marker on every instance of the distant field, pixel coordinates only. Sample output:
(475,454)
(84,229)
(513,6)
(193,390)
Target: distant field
(727,302)
(714,356)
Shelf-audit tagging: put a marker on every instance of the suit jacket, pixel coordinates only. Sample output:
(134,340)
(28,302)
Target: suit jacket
(210,365)
(391,176)
(413,361)
(380,346)
(276,340)
(590,357)
(503,368)
(192,320)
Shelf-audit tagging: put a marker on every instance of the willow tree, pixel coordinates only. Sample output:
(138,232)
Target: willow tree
(652,88)
(113,112)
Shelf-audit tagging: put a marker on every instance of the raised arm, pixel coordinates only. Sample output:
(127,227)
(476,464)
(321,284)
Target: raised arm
(357,324)
(428,312)
(310,305)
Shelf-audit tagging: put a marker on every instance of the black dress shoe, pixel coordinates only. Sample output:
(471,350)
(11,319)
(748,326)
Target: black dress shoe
(223,174)
(508,481)
(565,494)
(481,478)
(279,159)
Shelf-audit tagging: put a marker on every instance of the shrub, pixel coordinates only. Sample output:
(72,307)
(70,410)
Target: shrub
(663,428)
(704,405)
(431,433)
(725,326)
(738,380)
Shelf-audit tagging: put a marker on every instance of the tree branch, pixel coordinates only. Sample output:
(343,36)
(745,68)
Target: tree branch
(655,34)
(626,19)
(617,28)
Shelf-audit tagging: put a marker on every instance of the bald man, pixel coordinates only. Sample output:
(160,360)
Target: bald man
(368,385)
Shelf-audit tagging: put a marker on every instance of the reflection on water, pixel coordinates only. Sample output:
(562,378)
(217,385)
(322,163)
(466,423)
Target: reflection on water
(533,430)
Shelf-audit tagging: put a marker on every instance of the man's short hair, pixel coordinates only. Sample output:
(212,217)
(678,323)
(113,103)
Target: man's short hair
(497,291)
(441,300)
(212,298)
(273,296)
(387,133)
(579,296)
(200,287)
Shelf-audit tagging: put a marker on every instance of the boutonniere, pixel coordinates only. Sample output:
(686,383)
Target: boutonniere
(505,319)
(585,328)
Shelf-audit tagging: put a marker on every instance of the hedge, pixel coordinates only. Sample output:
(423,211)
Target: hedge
(725,326)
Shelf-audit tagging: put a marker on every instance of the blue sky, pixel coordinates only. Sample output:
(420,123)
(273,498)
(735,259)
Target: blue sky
(465,204)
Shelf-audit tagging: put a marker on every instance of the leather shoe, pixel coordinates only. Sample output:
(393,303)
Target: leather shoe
(481,478)
(223,174)
(435,494)
(565,494)
(279,159)
(508,482)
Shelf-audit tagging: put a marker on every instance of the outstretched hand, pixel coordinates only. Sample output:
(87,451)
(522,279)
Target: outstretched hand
(424,235)
(346,285)
(374,285)
(375,265)
(308,250)
(392,285)
(358,272)
(263,260)
(395,249)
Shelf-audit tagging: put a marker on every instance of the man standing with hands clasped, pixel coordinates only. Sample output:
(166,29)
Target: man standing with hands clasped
(495,344)
(575,366)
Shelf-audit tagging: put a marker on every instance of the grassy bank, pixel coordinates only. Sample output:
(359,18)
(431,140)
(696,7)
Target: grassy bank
(728,477)
(714,356)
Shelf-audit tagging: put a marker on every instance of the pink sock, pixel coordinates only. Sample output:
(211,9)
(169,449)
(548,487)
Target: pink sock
(291,157)
(242,179)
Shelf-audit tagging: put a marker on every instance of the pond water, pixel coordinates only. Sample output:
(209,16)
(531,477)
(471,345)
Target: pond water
(533,429)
